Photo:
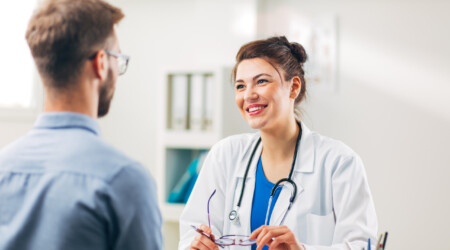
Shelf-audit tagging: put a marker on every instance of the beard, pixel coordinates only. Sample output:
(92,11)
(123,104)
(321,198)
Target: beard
(106,94)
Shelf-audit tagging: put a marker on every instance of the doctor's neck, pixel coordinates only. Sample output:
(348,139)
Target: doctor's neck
(280,143)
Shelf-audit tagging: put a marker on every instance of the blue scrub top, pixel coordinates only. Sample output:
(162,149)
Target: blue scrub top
(261,196)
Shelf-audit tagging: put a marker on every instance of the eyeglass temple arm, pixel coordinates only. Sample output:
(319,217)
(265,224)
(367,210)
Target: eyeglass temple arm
(209,221)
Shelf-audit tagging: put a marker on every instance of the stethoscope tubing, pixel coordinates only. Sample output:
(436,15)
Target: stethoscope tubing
(272,193)
(289,179)
(246,171)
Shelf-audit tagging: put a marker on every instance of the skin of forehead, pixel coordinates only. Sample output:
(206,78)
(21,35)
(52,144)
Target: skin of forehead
(268,62)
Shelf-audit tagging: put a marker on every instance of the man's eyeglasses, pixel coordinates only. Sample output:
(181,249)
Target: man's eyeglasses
(122,60)
(226,240)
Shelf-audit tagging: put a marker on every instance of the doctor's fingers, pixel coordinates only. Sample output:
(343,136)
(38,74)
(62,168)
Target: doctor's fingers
(282,234)
(202,242)
(205,229)
(285,241)
(255,233)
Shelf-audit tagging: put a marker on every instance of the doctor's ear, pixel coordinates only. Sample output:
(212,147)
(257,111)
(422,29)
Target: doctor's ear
(296,87)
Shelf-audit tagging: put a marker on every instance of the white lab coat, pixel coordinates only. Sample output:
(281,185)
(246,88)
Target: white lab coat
(333,208)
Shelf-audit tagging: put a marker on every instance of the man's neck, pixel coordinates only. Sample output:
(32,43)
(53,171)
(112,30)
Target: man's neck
(78,99)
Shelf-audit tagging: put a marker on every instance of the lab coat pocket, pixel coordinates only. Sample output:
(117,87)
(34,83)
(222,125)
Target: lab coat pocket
(320,229)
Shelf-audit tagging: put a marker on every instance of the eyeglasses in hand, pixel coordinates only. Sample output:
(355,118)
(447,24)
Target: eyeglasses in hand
(226,240)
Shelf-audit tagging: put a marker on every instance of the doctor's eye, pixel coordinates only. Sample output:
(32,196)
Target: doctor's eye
(239,86)
(261,81)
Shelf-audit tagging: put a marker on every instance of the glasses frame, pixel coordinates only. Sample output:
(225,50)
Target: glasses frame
(232,237)
(122,60)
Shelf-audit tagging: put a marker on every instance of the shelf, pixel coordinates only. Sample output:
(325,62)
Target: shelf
(189,139)
(172,211)
(181,141)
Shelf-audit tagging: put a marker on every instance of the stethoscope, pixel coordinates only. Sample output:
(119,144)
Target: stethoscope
(234,215)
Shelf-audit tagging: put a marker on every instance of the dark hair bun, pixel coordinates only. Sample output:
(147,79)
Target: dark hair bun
(298,51)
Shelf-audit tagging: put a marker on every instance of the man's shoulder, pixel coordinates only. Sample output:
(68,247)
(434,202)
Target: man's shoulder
(72,153)
(101,159)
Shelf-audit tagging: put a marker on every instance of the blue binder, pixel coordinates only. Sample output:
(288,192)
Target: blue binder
(182,190)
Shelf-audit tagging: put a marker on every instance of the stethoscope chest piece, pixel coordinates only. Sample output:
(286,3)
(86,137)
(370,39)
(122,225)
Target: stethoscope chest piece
(234,217)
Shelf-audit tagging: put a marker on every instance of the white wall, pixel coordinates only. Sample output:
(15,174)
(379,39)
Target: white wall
(160,35)
(391,106)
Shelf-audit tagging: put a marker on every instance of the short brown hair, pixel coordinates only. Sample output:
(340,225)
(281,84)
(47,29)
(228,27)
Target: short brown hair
(62,34)
(279,52)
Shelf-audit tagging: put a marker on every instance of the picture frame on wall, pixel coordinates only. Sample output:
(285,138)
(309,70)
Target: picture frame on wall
(318,35)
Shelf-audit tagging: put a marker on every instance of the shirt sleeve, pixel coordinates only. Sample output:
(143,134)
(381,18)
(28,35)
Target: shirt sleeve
(136,219)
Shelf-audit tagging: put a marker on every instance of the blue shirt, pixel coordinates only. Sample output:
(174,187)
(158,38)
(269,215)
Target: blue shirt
(263,188)
(62,187)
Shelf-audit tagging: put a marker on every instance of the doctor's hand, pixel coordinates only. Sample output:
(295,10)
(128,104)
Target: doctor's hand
(276,237)
(201,241)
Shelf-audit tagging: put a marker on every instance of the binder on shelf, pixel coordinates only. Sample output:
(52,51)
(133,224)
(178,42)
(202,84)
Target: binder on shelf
(208,95)
(182,190)
(179,102)
(196,102)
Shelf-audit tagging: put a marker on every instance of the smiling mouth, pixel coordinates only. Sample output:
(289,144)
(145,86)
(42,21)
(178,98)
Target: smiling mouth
(256,108)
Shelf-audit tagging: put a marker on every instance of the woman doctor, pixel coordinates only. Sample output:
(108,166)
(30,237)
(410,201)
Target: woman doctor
(323,200)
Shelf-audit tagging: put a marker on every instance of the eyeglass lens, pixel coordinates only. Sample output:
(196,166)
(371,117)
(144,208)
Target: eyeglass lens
(122,65)
(230,240)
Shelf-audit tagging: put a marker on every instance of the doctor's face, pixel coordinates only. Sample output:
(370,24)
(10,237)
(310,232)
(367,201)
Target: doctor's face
(262,97)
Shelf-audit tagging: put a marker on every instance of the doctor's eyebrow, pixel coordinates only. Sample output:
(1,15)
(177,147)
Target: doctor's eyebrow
(254,78)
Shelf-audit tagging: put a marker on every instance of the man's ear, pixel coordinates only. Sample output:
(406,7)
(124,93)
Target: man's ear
(100,64)
(296,86)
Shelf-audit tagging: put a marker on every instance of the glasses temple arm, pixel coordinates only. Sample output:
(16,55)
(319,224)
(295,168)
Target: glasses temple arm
(209,220)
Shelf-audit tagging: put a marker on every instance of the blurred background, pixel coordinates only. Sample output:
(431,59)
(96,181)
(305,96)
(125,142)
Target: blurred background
(386,95)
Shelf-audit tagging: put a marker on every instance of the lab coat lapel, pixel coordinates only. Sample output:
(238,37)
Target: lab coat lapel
(283,202)
(306,152)
(247,199)
(303,164)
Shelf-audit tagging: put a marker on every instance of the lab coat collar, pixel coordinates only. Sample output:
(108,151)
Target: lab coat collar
(253,165)
(305,154)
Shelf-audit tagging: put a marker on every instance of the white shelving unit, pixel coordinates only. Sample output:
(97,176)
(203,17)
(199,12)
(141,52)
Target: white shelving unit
(177,148)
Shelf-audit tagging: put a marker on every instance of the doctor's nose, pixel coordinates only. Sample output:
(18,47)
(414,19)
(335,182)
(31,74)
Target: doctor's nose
(250,94)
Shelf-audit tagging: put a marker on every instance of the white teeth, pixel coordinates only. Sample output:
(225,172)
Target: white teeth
(255,109)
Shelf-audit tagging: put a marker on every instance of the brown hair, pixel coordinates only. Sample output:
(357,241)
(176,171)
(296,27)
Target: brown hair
(62,34)
(279,52)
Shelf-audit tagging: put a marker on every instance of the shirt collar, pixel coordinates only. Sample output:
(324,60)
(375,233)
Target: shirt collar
(66,120)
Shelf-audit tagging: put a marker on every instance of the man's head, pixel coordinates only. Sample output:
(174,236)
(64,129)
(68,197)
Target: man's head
(64,34)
